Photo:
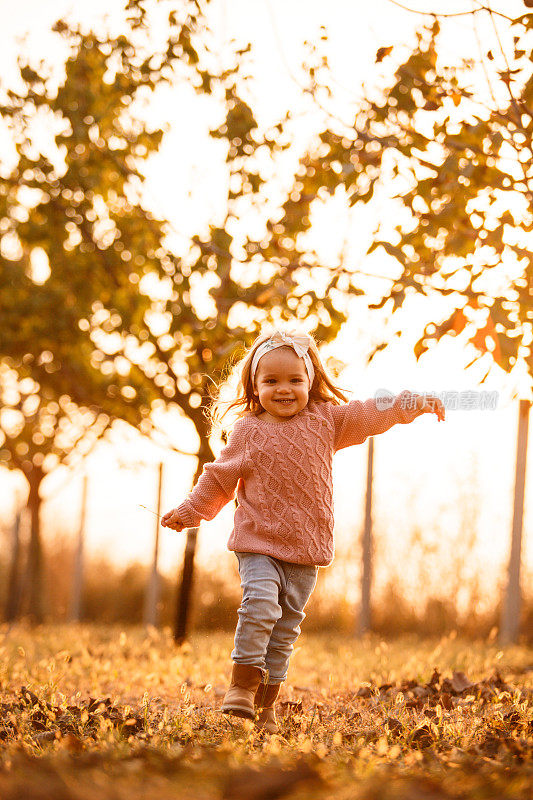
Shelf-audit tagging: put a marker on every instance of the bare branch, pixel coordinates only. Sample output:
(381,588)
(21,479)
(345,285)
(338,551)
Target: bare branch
(453,14)
(482,59)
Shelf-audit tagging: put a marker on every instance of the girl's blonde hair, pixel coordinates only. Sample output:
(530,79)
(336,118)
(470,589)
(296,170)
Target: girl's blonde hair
(323,389)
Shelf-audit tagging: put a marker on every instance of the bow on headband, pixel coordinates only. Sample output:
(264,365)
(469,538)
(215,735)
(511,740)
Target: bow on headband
(299,343)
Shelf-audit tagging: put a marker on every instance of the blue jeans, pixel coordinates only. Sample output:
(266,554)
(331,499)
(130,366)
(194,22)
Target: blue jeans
(274,594)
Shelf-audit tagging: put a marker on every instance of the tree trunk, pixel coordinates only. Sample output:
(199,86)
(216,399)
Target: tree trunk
(13,585)
(35,581)
(184,596)
(365,616)
(183,607)
(510,619)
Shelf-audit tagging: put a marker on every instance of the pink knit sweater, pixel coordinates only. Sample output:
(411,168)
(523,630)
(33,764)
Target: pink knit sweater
(282,474)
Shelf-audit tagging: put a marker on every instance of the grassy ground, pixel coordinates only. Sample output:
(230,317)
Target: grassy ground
(93,712)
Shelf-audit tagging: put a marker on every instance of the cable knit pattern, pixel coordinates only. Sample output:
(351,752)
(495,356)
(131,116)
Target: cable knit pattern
(282,474)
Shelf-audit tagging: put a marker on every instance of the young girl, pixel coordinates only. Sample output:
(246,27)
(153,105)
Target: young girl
(279,458)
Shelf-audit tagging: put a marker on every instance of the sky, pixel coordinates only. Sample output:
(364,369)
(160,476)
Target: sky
(444,479)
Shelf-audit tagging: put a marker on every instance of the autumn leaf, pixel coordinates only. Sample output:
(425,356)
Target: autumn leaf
(460,321)
(382,52)
(488,331)
(460,682)
(422,737)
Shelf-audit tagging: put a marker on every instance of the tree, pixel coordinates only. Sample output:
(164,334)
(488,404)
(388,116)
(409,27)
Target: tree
(76,242)
(86,339)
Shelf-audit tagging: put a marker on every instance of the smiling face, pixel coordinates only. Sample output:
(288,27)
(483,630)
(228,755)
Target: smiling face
(281,384)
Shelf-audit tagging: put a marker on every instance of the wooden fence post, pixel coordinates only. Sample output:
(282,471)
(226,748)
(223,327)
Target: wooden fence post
(365,617)
(510,616)
(152,594)
(77,580)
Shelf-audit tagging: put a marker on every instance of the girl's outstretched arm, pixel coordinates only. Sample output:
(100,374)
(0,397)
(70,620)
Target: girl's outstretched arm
(215,486)
(356,421)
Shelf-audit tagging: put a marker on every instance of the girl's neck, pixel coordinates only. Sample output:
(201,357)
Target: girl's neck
(266,417)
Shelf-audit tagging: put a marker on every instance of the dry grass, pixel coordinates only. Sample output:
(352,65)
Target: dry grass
(103,712)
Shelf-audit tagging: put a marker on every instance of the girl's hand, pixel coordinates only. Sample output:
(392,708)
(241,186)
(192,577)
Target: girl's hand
(172,520)
(429,404)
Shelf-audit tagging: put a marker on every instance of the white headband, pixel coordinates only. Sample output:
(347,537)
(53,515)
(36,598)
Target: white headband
(300,345)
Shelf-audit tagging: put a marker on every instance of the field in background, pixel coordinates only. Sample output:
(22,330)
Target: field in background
(216,597)
(110,713)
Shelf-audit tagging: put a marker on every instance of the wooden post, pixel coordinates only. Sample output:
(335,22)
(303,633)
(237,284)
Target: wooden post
(365,616)
(77,580)
(510,616)
(152,594)
(34,580)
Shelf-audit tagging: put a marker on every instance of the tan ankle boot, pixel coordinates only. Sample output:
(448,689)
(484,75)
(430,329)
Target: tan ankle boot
(239,699)
(264,700)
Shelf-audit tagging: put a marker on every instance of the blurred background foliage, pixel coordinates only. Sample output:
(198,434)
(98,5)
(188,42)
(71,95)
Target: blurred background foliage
(461,168)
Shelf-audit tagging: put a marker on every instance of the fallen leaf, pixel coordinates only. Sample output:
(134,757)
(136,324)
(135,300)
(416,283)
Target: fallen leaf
(458,684)
(394,725)
(422,737)
(382,52)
